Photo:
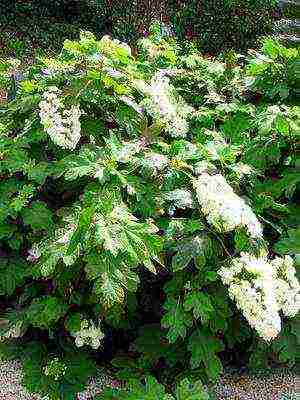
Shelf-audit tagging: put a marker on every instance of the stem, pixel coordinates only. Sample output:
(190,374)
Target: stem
(221,242)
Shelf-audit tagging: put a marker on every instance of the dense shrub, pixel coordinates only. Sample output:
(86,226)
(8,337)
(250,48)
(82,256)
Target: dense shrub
(216,25)
(34,24)
(223,24)
(144,200)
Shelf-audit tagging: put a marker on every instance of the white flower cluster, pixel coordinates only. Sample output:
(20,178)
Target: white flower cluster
(163,104)
(243,170)
(63,127)
(34,253)
(287,286)
(261,289)
(88,334)
(223,208)
(154,162)
(128,150)
(181,198)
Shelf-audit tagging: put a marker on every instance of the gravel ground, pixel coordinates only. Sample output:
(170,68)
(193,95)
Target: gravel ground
(275,386)
(10,386)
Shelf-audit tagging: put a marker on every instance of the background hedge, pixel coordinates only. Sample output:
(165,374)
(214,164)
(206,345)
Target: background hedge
(220,24)
(216,25)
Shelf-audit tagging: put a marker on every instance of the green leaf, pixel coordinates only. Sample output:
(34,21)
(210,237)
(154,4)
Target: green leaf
(78,236)
(120,232)
(22,197)
(38,216)
(109,290)
(7,230)
(176,320)
(129,119)
(196,248)
(91,126)
(286,346)
(177,227)
(39,172)
(222,312)
(73,322)
(203,347)
(78,367)
(86,163)
(282,125)
(258,360)
(45,311)
(286,185)
(289,244)
(12,275)
(34,379)
(129,369)
(200,304)
(295,328)
(181,260)
(16,160)
(151,390)
(151,343)
(235,128)
(187,390)
(25,104)
(112,276)
(241,240)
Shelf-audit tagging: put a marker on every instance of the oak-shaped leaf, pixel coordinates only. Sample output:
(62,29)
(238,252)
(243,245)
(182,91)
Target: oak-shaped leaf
(88,162)
(201,305)
(120,232)
(187,390)
(196,248)
(176,320)
(289,244)
(43,312)
(112,277)
(12,275)
(204,348)
(38,216)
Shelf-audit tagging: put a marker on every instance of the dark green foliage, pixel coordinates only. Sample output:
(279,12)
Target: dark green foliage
(223,24)
(203,348)
(44,312)
(13,273)
(216,25)
(274,73)
(64,376)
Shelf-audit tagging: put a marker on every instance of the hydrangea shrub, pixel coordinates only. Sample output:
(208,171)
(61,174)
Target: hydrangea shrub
(148,197)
